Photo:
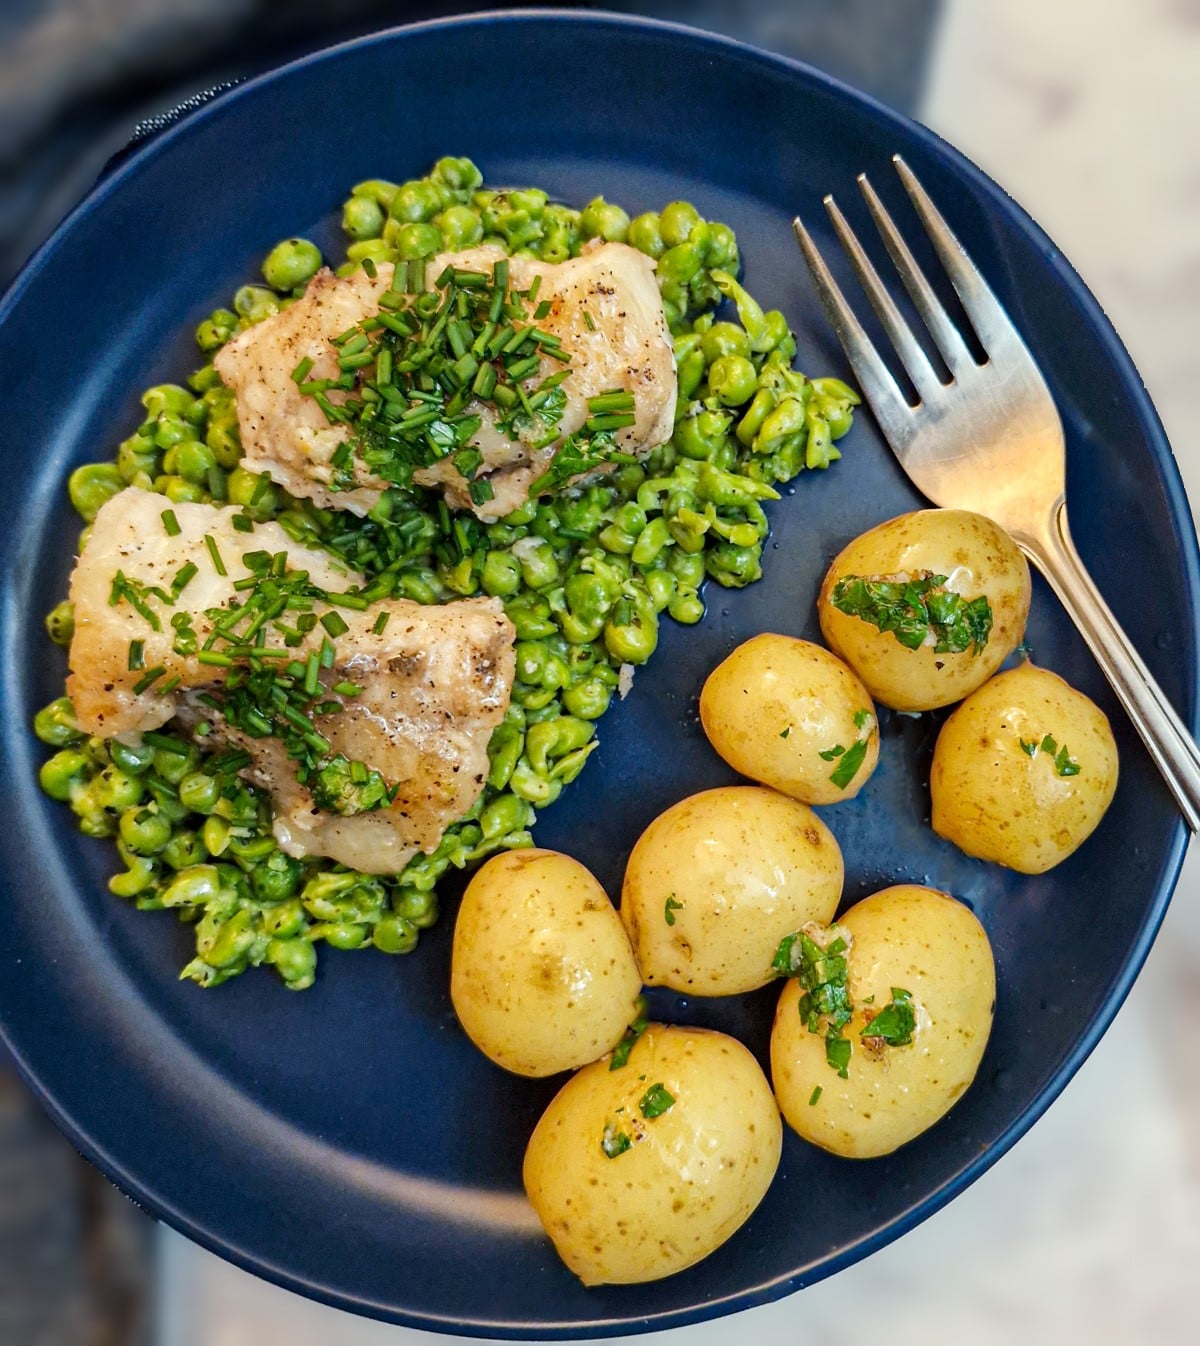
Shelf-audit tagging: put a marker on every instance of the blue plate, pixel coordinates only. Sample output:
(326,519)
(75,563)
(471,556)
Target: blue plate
(350,1143)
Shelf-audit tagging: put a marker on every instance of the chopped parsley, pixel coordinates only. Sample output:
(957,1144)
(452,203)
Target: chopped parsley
(916,609)
(620,1054)
(894,1023)
(786,732)
(655,1101)
(1064,763)
(814,1096)
(829,754)
(669,910)
(861,717)
(825,1004)
(847,767)
(614,1142)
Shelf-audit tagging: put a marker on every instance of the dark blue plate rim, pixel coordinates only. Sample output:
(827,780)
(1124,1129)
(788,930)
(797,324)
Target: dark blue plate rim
(902,128)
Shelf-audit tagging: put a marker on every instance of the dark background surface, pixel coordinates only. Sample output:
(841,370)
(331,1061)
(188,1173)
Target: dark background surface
(76,79)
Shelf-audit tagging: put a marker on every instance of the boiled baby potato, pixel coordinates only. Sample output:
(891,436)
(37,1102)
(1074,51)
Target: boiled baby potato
(638,1172)
(922,960)
(1023,770)
(715,882)
(926,607)
(790,714)
(541,973)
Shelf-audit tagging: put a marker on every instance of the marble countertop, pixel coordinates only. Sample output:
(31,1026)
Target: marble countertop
(1090,1226)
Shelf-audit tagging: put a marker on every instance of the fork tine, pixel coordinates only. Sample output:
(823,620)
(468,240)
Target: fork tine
(987,317)
(914,359)
(929,306)
(878,386)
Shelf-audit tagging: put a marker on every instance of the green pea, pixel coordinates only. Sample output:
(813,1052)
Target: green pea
(64,773)
(677,221)
(144,830)
(732,379)
(290,264)
(459,226)
(135,759)
(169,398)
(199,792)
(460,175)
(503,815)
(295,960)
(504,748)
(651,541)
(538,566)
(138,877)
(645,234)
(419,906)
(661,586)
(377,189)
(633,641)
(285,920)
(699,434)
(686,607)
(587,699)
(192,460)
(247,490)
(192,887)
(276,878)
(363,217)
(687,567)
(678,265)
(417,240)
(184,850)
(393,934)
(501,574)
(724,338)
(537,789)
(415,202)
(251,849)
(60,622)
(734,566)
(602,219)
(115,790)
(343,934)
(760,408)
(91,485)
(254,303)
(722,250)
(216,330)
(234,940)
(56,725)
(173,765)
(215,834)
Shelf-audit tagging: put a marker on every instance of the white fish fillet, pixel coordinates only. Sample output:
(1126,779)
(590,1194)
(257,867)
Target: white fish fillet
(435,682)
(627,347)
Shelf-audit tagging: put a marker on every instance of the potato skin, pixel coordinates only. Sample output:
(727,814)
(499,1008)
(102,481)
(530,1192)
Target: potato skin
(541,974)
(747,866)
(932,946)
(691,1176)
(977,556)
(776,704)
(994,800)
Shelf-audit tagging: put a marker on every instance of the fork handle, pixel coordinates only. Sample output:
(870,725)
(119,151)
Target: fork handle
(1171,746)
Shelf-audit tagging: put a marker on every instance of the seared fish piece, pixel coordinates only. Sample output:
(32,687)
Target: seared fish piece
(604,307)
(434,683)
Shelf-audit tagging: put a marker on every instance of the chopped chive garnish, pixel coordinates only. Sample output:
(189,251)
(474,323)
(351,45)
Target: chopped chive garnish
(369,267)
(148,679)
(137,655)
(334,623)
(171,523)
(587,321)
(302,370)
(381,623)
(218,565)
(243,523)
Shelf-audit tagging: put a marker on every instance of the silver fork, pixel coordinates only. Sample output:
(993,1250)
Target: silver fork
(990,441)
